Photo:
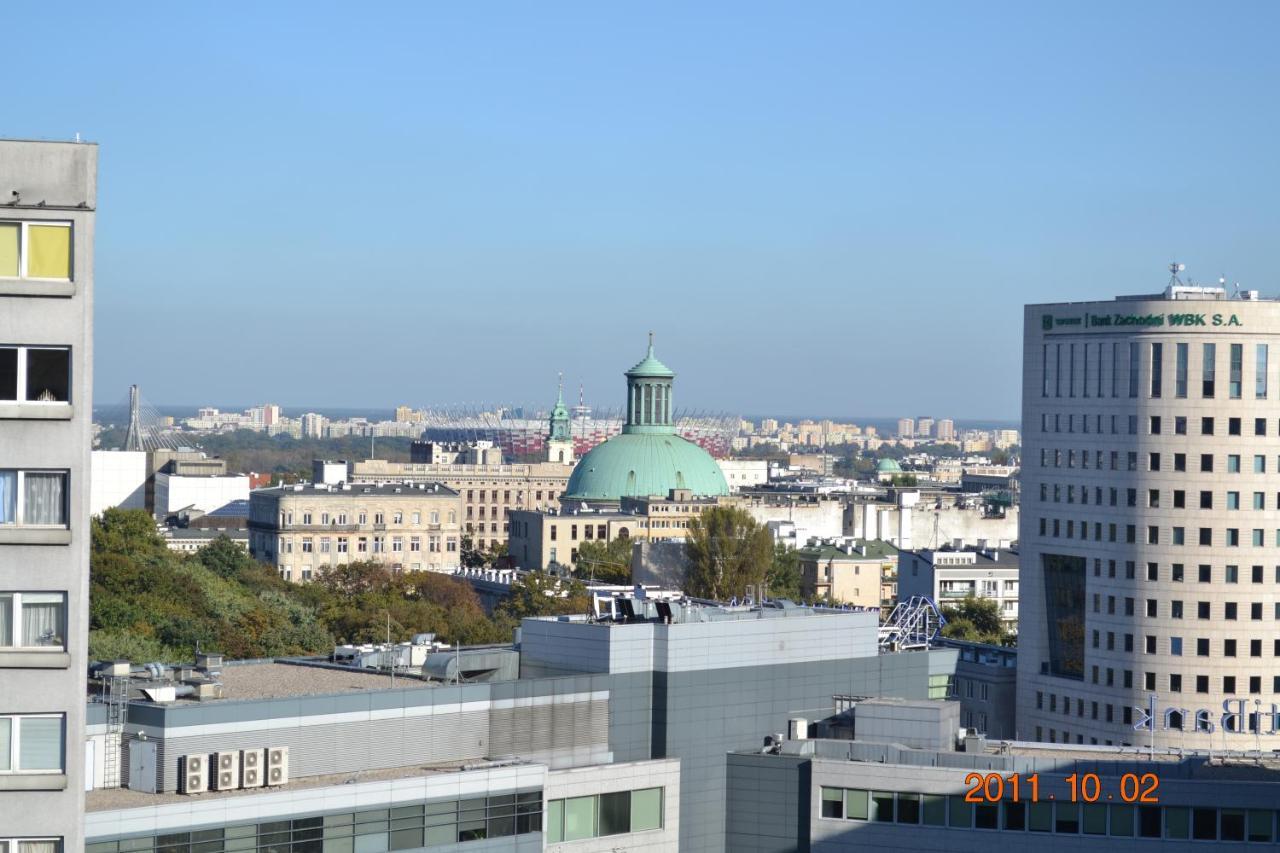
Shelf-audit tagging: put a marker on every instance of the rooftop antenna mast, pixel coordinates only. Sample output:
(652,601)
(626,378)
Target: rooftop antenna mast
(133,438)
(1174,269)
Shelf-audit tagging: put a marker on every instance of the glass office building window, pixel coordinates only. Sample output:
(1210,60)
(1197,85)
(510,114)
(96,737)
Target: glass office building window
(619,813)
(1064,607)
(1237,371)
(1260,372)
(1157,369)
(404,827)
(1133,369)
(1208,370)
(1180,371)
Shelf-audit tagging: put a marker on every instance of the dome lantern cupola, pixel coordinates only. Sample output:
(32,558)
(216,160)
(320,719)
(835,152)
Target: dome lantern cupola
(649,396)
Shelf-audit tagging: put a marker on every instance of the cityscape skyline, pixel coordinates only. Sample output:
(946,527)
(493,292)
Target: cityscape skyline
(715,180)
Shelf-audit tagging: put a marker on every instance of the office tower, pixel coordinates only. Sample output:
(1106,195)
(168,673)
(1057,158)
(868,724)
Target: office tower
(1150,531)
(47,204)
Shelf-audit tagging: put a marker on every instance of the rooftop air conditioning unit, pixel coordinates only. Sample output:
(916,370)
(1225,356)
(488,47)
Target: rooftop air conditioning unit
(193,774)
(277,765)
(252,768)
(226,770)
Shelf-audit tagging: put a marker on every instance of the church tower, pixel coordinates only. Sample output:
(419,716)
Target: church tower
(559,444)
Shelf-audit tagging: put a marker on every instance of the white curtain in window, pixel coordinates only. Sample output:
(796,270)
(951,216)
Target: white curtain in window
(40,744)
(41,619)
(37,847)
(45,498)
(8,499)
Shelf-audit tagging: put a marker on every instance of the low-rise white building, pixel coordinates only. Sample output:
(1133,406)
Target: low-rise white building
(947,576)
(205,493)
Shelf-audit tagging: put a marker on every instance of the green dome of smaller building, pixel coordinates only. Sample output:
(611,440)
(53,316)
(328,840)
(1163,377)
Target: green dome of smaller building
(889,466)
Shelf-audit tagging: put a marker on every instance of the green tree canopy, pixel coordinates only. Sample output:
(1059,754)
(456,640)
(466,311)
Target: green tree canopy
(974,618)
(727,551)
(784,573)
(541,594)
(609,562)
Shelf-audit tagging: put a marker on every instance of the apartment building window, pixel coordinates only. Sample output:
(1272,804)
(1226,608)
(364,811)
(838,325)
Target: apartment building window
(33,498)
(31,744)
(38,250)
(307,547)
(342,544)
(306,518)
(417,518)
(435,516)
(35,374)
(33,620)
(433,544)
(325,544)
(31,845)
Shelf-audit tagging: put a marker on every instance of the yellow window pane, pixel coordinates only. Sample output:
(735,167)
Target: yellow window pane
(9,234)
(48,251)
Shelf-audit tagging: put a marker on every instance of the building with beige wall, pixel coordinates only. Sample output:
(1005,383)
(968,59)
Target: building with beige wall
(1151,536)
(539,539)
(489,492)
(303,530)
(859,573)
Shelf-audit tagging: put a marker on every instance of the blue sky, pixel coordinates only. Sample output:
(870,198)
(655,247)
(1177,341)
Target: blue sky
(835,208)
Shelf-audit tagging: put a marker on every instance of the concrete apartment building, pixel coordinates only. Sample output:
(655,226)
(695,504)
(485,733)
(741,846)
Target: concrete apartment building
(615,736)
(854,572)
(947,575)
(1151,542)
(48,201)
(304,529)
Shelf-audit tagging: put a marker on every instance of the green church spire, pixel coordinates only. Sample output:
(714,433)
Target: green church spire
(559,417)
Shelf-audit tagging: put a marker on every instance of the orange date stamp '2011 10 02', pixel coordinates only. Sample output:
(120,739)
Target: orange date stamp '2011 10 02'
(1082,787)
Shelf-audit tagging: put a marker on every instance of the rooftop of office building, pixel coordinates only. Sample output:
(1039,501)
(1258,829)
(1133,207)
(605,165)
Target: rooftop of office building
(108,799)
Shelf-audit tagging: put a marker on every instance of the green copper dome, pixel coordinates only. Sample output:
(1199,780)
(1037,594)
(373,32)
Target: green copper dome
(641,464)
(889,466)
(648,458)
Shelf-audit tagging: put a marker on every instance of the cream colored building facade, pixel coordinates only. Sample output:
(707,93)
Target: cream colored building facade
(1150,540)
(490,493)
(862,574)
(304,530)
(539,539)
